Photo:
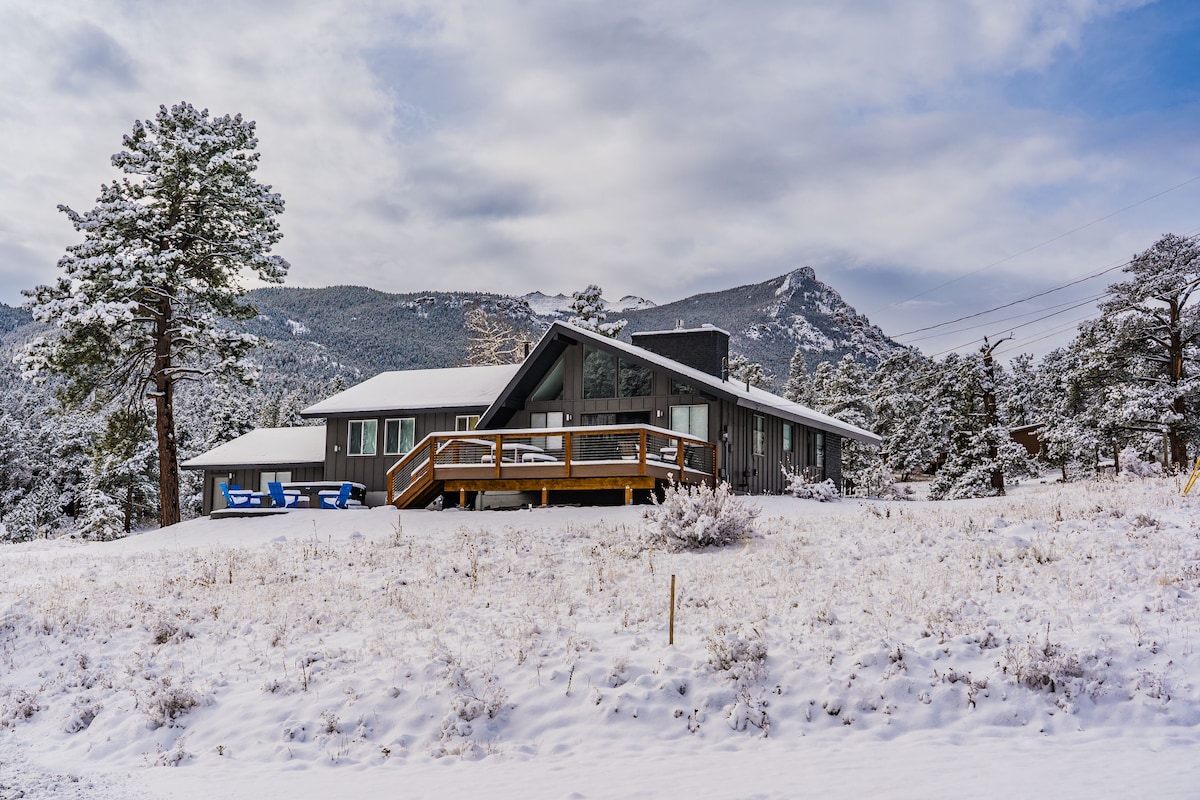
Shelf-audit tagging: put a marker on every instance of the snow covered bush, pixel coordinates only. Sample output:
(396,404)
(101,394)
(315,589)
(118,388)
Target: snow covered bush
(692,517)
(1133,466)
(740,655)
(800,486)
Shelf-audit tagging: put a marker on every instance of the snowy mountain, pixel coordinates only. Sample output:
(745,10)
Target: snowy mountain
(353,331)
(767,321)
(558,306)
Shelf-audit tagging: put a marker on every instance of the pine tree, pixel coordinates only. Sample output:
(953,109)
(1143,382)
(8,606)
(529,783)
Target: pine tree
(910,413)
(980,451)
(1150,336)
(799,386)
(165,255)
(844,391)
(743,370)
(588,311)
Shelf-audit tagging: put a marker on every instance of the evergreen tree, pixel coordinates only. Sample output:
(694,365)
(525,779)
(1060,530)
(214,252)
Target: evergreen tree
(980,451)
(588,311)
(799,386)
(743,370)
(844,391)
(1067,438)
(910,413)
(1151,340)
(165,254)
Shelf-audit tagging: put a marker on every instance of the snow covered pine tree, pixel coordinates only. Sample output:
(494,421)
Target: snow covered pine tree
(165,253)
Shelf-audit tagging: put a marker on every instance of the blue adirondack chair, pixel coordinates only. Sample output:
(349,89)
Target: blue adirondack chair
(340,499)
(241,501)
(280,498)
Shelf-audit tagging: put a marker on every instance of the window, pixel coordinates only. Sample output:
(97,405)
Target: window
(633,379)
(605,375)
(679,387)
(363,433)
(466,422)
(547,419)
(399,435)
(787,437)
(551,387)
(599,374)
(692,420)
(760,435)
(271,477)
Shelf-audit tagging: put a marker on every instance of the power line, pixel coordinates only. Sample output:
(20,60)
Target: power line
(1048,241)
(1005,319)
(1084,279)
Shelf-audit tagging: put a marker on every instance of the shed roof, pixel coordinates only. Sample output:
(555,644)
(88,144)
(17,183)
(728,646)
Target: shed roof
(418,389)
(266,446)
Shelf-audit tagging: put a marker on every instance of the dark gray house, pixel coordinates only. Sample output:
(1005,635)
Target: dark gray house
(582,413)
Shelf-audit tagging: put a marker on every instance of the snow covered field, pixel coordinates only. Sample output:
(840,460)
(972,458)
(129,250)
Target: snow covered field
(1044,643)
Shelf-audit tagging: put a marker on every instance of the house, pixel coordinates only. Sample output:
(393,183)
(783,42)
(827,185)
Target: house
(582,413)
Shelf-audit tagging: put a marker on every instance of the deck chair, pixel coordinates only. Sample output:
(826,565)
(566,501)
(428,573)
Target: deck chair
(240,502)
(280,498)
(338,499)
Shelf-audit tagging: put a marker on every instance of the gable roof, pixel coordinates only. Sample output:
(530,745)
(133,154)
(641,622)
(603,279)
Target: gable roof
(563,334)
(418,390)
(266,446)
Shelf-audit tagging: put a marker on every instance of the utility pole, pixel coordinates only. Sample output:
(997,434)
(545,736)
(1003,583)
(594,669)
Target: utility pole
(990,415)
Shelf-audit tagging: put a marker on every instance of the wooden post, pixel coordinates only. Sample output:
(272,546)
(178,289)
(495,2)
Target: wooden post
(545,496)
(462,498)
(671,634)
(628,495)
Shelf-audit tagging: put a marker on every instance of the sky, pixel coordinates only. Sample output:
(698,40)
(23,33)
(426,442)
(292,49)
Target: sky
(928,159)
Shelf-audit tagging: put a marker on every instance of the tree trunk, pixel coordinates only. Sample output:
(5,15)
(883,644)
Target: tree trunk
(129,507)
(164,419)
(1177,443)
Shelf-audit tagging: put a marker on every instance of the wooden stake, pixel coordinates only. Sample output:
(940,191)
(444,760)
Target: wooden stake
(462,498)
(628,495)
(545,496)
(671,635)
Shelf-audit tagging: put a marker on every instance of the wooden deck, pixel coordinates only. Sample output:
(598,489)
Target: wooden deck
(548,460)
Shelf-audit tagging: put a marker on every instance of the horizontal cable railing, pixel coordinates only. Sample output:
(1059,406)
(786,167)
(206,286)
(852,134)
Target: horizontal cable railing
(639,446)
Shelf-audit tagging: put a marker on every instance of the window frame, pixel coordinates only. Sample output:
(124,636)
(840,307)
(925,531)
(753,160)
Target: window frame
(364,425)
(692,415)
(387,423)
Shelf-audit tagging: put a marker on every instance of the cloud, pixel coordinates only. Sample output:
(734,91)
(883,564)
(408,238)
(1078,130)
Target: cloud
(657,148)
(91,60)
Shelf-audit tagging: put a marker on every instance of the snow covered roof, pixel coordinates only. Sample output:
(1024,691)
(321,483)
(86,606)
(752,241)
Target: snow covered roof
(752,397)
(415,389)
(302,445)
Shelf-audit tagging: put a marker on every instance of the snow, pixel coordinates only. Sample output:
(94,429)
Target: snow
(296,445)
(451,387)
(1037,644)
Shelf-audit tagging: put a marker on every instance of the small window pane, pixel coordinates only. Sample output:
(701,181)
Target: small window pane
(635,379)
(363,433)
(679,387)
(760,435)
(599,374)
(787,437)
(551,387)
(399,435)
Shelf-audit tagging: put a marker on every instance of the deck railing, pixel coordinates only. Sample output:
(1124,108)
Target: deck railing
(559,453)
